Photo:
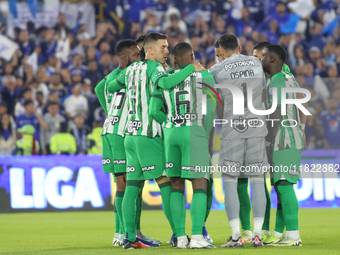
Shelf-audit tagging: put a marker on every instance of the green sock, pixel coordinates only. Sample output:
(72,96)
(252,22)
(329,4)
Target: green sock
(118,205)
(117,222)
(166,194)
(290,205)
(197,209)
(178,214)
(129,209)
(210,194)
(266,220)
(245,205)
(139,207)
(279,221)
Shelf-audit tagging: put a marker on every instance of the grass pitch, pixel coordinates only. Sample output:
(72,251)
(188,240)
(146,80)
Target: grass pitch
(92,233)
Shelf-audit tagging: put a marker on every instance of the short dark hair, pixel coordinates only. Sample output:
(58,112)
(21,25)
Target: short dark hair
(154,37)
(217,43)
(141,38)
(124,44)
(182,48)
(229,42)
(25,90)
(53,103)
(39,92)
(261,45)
(28,101)
(63,126)
(278,50)
(280,3)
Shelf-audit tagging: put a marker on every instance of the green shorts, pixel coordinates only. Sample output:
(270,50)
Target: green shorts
(145,157)
(286,165)
(187,152)
(114,158)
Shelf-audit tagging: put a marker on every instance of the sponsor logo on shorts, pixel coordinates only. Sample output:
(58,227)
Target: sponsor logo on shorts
(169,165)
(230,163)
(130,169)
(106,161)
(119,162)
(134,124)
(191,168)
(148,168)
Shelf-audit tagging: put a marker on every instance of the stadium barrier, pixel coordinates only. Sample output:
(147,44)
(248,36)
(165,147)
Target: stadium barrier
(73,183)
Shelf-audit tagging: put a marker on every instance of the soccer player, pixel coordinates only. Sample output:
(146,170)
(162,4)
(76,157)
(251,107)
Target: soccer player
(242,183)
(284,143)
(242,142)
(114,160)
(186,143)
(143,142)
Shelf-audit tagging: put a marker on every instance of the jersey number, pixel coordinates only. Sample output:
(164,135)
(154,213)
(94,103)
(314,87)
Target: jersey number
(181,102)
(121,101)
(132,91)
(244,87)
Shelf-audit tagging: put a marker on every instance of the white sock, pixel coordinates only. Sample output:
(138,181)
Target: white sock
(139,232)
(265,232)
(247,232)
(116,235)
(121,236)
(235,228)
(277,234)
(258,222)
(197,237)
(295,235)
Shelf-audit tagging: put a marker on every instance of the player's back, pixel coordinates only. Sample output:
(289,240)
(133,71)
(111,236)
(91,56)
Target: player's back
(243,72)
(140,87)
(184,102)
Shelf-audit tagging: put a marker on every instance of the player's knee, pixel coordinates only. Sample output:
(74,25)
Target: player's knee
(199,183)
(177,183)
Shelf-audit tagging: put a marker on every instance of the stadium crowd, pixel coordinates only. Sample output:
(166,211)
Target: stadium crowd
(37,100)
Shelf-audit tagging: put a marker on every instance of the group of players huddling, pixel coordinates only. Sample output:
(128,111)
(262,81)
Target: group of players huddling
(158,125)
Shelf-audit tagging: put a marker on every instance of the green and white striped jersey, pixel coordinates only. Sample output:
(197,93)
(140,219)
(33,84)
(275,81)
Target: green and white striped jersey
(115,121)
(186,102)
(140,80)
(288,137)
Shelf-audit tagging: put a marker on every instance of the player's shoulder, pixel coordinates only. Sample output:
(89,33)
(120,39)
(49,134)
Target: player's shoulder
(278,80)
(216,68)
(206,74)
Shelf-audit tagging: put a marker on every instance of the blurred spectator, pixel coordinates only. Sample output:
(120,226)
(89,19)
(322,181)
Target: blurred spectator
(280,14)
(330,120)
(39,98)
(243,25)
(26,94)
(199,53)
(208,12)
(26,45)
(299,57)
(106,65)
(314,54)
(63,142)
(27,144)
(321,68)
(54,98)
(7,135)
(53,120)
(77,64)
(80,131)
(315,102)
(76,103)
(316,39)
(53,65)
(61,27)
(48,45)
(35,87)
(174,23)
(56,85)
(8,73)
(92,73)
(94,139)
(152,25)
(31,117)
(10,93)
(332,79)
(314,133)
